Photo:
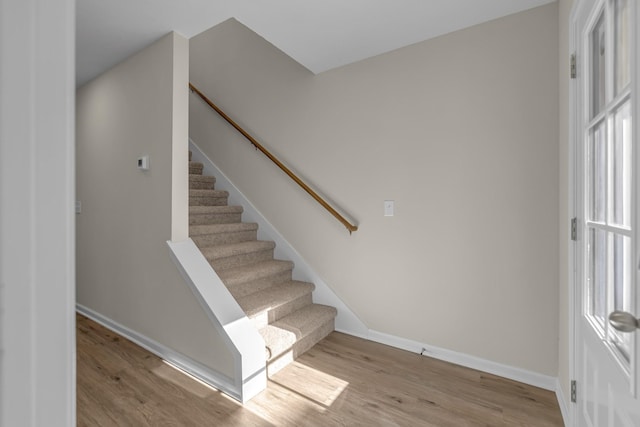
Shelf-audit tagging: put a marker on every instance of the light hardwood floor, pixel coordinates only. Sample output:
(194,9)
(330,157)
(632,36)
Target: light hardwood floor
(342,381)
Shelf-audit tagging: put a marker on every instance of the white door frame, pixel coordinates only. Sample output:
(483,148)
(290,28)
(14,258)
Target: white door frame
(37,220)
(574,203)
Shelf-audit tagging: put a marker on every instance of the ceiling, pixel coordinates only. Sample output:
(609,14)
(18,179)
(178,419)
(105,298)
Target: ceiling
(320,35)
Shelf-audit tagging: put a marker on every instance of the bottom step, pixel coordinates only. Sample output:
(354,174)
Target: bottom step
(296,333)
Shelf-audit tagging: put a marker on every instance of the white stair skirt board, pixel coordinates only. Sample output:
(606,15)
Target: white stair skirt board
(564,408)
(346,321)
(228,318)
(215,379)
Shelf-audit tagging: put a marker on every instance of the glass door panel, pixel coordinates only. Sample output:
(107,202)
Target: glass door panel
(597,160)
(598,67)
(622,44)
(621,159)
(609,178)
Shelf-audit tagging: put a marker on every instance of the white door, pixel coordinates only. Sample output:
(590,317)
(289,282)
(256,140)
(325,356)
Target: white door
(607,293)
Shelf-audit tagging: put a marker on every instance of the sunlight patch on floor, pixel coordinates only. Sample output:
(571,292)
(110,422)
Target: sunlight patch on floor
(312,384)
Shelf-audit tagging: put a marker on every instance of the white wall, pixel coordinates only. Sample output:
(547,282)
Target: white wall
(124,269)
(461,131)
(37,320)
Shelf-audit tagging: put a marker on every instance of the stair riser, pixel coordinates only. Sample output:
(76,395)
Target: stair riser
(280,361)
(224,238)
(273,315)
(195,170)
(207,201)
(241,259)
(245,288)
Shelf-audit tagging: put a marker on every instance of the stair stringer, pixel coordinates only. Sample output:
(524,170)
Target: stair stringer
(346,321)
(243,339)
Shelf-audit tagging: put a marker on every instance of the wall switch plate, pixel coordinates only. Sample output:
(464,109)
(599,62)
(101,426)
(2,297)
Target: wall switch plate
(389,207)
(143,163)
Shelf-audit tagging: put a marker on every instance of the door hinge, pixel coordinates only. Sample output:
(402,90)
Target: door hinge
(572,66)
(574,391)
(574,229)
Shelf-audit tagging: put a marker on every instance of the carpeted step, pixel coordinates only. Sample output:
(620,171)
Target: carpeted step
(219,234)
(274,303)
(233,255)
(195,168)
(201,215)
(294,334)
(280,308)
(245,280)
(201,182)
(208,197)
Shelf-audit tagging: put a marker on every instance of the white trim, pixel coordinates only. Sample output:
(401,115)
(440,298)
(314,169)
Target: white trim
(562,402)
(199,371)
(346,321)
(517,374)
(227,317)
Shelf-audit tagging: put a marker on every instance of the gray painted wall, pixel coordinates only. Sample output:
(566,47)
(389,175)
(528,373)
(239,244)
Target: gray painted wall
(461,131)
(124,271)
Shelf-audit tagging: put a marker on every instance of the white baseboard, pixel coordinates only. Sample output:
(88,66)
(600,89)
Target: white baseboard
(215,379)
(517,374)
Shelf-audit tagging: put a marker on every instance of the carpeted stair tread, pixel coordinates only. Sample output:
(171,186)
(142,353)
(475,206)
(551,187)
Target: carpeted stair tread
(281,336)
(195,168)
(238,254)
(220,234)
(270,305)
(201,182)
(208,197)
(259,270)
(208,192)
(198,230)
(200,210)
(223,214)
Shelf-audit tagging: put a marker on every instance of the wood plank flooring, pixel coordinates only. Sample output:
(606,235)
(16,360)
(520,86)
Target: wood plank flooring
(342,381)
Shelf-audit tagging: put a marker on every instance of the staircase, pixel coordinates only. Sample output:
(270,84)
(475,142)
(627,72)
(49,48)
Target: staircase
(281,308)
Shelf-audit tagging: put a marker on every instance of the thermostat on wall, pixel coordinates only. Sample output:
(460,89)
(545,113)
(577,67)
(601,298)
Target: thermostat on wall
(143,163)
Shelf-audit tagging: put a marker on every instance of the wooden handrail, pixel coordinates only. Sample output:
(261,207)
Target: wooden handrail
(275,160)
